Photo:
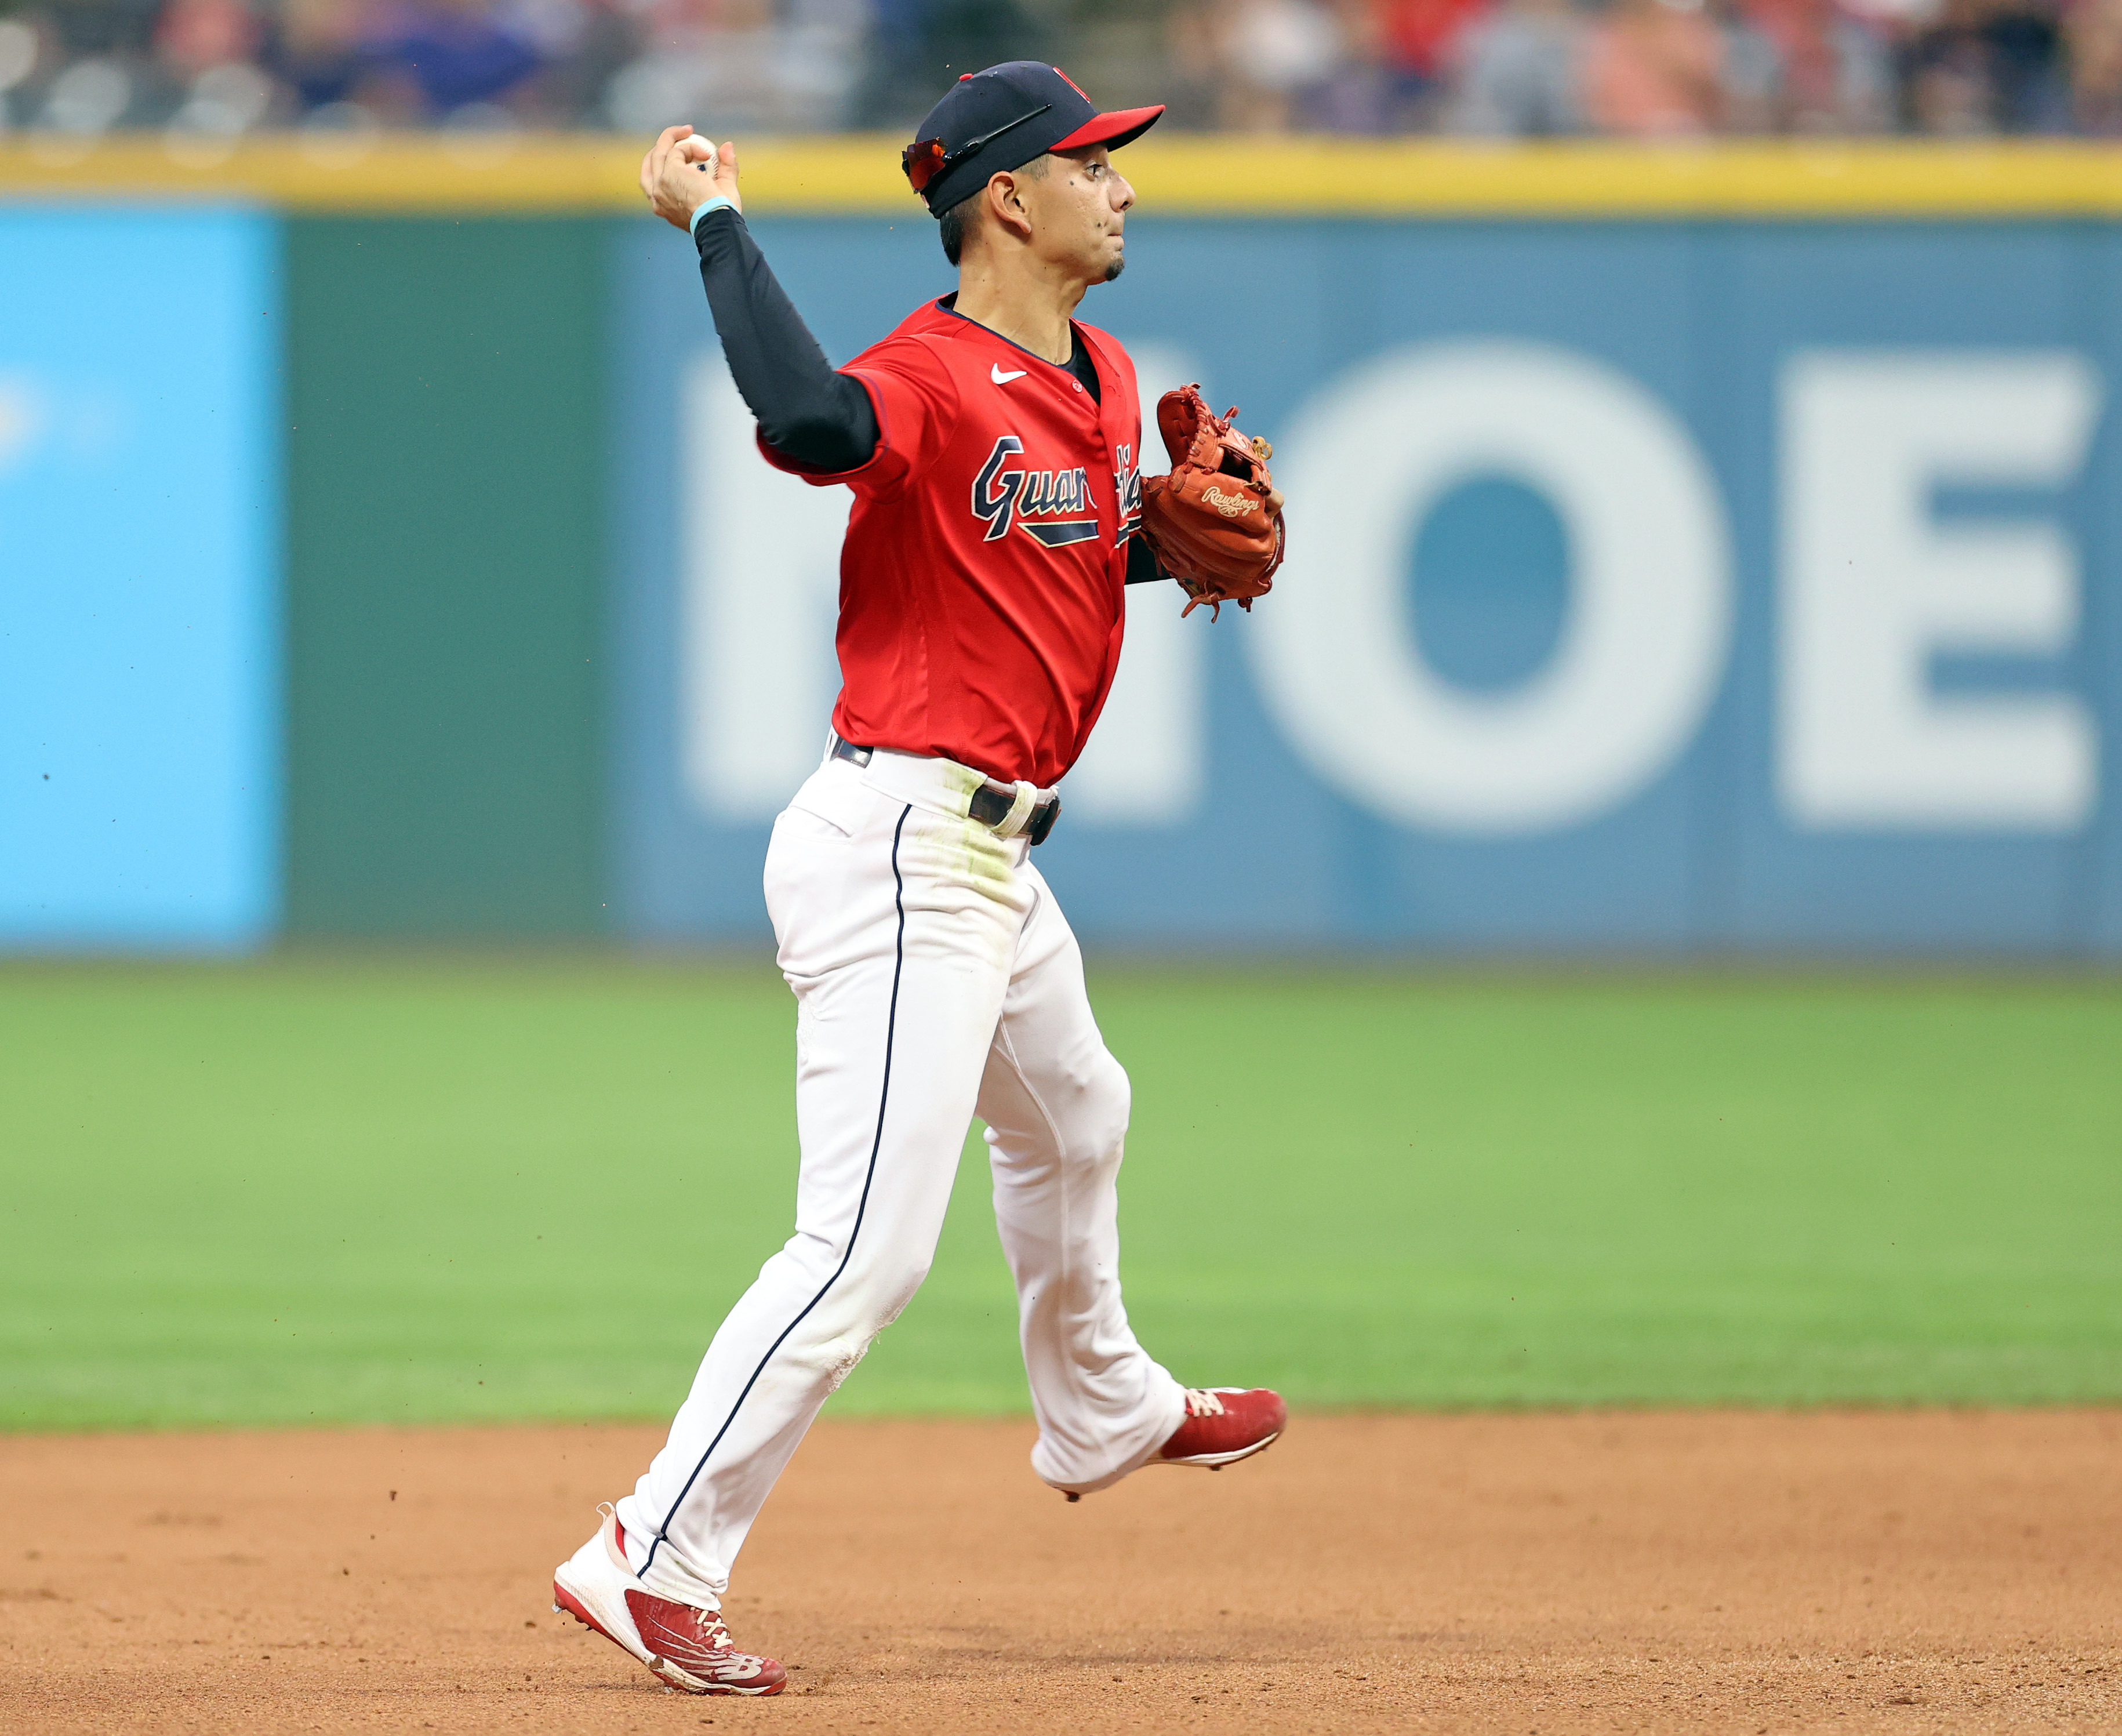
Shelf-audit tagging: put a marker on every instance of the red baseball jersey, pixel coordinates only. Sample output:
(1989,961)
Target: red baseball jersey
(982,580)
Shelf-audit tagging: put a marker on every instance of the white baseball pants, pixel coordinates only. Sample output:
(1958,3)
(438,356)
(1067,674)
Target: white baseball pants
(936,978)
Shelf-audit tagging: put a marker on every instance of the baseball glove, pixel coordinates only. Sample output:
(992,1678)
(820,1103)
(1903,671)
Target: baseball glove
(1215,522)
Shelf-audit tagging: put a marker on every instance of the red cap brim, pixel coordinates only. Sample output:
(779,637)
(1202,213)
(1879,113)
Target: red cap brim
(1120,127)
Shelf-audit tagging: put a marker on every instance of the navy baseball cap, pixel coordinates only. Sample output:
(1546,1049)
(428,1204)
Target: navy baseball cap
(1002,119)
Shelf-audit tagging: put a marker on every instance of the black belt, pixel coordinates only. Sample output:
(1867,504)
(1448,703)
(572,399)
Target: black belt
(990,803)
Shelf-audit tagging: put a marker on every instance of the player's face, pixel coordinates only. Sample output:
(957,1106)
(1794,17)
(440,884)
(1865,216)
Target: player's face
(1078,210)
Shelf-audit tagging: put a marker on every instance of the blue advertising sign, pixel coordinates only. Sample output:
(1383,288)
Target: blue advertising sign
(1652,585)
(139,534)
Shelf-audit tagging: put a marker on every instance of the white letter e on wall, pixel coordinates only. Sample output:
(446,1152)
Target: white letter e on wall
(1873,586)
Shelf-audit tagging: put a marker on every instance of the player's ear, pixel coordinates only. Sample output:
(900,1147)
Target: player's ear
(1005,204)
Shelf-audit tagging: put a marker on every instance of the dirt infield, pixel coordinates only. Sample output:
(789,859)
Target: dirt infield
(1733,1572)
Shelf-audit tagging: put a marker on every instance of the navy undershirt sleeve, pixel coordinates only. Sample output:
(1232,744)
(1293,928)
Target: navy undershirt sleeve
(1142,569)
(806,411)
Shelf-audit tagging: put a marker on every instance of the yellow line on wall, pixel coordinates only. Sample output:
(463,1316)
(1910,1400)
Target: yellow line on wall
(1182,175)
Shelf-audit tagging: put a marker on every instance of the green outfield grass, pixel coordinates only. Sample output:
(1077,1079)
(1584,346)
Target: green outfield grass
(320,1189)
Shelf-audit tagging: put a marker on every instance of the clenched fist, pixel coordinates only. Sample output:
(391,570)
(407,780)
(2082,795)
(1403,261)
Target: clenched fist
(682,171)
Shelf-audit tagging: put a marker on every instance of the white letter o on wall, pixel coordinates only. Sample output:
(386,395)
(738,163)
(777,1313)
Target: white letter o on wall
(1644,636)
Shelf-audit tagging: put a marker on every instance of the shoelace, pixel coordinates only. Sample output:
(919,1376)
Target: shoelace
(708,1625)
(1200,1402)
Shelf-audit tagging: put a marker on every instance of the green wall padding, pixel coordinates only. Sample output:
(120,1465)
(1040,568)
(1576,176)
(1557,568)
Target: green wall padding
(445,547)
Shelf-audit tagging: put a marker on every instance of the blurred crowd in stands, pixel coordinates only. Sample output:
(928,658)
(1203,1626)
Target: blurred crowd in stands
(215,69)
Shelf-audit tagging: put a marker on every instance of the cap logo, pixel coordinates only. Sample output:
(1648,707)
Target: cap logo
(1073,86)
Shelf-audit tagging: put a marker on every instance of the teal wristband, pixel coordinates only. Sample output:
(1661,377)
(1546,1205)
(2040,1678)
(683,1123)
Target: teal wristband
(719,202)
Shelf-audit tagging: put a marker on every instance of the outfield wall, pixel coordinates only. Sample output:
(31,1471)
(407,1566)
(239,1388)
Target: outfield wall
(140,579)
(1723,566)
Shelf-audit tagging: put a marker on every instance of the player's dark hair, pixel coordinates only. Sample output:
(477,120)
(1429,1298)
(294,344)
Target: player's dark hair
(952,226)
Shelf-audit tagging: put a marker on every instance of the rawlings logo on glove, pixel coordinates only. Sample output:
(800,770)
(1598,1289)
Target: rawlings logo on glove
(1200,519)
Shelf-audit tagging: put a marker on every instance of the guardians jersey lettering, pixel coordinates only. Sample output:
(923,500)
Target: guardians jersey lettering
(1004,498)
(1127,483)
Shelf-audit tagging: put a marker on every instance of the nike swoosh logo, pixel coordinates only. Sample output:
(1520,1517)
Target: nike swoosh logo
(1000,378)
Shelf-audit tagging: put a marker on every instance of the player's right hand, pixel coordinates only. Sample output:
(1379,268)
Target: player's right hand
(682,171)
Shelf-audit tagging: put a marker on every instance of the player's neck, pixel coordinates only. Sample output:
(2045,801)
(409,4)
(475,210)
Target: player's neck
(1023,299)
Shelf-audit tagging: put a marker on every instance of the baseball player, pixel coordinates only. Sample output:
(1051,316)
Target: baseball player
(992,445)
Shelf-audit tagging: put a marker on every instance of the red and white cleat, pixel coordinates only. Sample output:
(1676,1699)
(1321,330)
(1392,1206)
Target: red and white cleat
(1224,1425)
(689,1648)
